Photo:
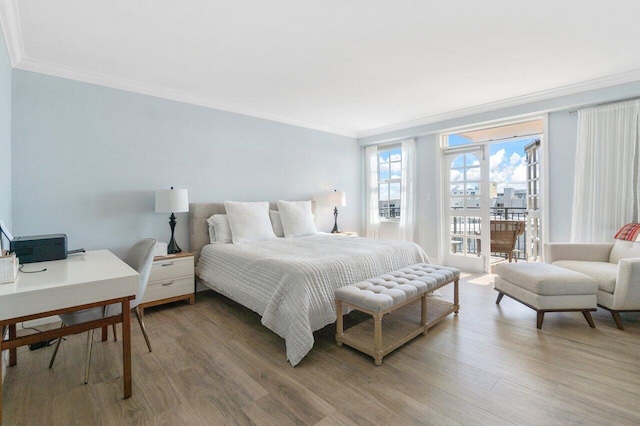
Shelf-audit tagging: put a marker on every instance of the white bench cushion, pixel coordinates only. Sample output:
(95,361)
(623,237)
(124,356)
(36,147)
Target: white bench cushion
(384,292)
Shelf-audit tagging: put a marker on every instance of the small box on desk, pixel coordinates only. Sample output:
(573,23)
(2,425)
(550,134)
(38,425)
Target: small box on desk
(8,268)
(40,248)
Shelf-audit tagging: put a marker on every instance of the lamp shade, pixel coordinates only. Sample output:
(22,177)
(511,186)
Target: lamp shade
(172,200)
(336,198)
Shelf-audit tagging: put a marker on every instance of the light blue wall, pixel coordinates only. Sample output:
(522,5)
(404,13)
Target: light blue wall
(561,144)
(87,160)
(563,135)
(5,134)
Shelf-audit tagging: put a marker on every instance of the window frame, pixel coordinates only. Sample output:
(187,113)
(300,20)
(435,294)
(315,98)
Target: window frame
(389,181)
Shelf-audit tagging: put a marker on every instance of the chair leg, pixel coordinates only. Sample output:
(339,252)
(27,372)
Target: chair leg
(115,333)
(142,327)
(55,351)
(88,361)
(500,296)
(617,319)
(539,319)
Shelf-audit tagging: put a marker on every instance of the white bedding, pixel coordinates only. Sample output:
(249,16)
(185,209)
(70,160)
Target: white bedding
(290,282)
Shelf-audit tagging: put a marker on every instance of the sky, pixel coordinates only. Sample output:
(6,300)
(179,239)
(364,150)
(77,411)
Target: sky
(507,162)
(390,167)
(507,166)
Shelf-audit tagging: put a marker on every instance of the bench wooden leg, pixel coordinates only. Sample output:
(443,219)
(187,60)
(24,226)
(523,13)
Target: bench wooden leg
(587,316)
(339,322)
(500,296)
(378,339)
(423,312)
(456,296)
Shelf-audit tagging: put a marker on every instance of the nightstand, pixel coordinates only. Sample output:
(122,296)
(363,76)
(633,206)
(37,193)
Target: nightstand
(171,279)
(347,233)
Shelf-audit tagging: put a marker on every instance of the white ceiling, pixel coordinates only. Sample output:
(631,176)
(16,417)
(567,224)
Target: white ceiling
(353,67)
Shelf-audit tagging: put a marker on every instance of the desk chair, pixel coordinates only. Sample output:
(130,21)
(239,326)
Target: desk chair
(140,258)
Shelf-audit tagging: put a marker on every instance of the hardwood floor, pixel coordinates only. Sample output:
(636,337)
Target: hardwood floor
(214,363)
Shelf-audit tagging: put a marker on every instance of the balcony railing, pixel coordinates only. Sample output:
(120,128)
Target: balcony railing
(495,213)
(390,212)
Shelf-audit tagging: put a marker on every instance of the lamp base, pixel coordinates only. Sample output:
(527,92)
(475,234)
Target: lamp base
(335,229)
(172,247)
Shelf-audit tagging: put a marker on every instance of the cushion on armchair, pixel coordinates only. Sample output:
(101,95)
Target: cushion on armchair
(604,272)
(623,249)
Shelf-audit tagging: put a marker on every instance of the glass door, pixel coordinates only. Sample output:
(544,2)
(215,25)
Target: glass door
(466,232)
(534,201)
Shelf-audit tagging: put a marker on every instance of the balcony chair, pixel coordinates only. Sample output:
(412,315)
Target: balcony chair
(504,234)
(140,258)
(616,267)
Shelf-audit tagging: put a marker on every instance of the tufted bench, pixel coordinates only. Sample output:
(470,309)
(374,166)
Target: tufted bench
(384,294)
(547,288)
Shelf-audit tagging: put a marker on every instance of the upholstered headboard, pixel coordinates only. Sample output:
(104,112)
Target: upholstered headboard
(199,228)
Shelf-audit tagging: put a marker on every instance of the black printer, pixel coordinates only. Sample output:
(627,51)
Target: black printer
(39,248)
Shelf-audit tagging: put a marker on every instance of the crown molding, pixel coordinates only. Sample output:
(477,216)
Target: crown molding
(571,89)
(161,92)
(11,30)
(9,19)
(10,22)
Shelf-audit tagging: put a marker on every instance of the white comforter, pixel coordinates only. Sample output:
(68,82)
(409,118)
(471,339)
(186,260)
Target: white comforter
(290,282)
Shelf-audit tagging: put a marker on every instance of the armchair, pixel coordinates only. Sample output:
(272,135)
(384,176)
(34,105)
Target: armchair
(616,267)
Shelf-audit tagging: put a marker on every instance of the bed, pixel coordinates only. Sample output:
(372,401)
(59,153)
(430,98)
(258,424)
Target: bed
(290,282)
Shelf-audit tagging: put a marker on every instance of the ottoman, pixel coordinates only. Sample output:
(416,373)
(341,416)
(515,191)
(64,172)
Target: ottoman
(547,288)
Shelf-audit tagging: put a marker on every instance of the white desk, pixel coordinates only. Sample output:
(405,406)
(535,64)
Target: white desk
(94,278)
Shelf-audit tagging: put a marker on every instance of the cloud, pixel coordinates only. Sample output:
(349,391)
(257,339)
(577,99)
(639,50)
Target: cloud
(511,172)
(496,159)
(396,170)
(505,171)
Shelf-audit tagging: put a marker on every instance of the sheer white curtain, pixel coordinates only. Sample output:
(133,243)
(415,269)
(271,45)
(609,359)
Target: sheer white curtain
(372,225)
(606,186)
(407,190)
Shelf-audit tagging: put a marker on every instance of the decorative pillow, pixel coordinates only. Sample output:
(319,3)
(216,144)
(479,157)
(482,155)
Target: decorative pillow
(276,222)
(629,232)
(297,219)
(249,221)
(219,229)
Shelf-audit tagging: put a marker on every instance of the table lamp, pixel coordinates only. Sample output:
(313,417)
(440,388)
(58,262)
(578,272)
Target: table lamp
(172,201)
(336,198)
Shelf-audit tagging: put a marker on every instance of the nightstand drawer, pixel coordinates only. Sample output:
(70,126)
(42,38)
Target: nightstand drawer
(168,269)
(172,287)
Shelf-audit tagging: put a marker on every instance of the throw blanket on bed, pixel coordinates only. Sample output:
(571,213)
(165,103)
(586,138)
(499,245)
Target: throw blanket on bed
(291,281)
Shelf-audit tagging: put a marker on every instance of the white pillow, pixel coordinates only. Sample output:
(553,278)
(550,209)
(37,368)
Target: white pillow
(219,229)
(249,221)
(276,222)
(297,219)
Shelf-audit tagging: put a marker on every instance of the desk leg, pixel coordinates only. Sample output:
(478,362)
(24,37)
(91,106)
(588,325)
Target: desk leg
(3,329)
(13,353)
(126,347)
(1,383)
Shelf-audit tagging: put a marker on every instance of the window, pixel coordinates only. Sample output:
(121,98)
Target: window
(389,182)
